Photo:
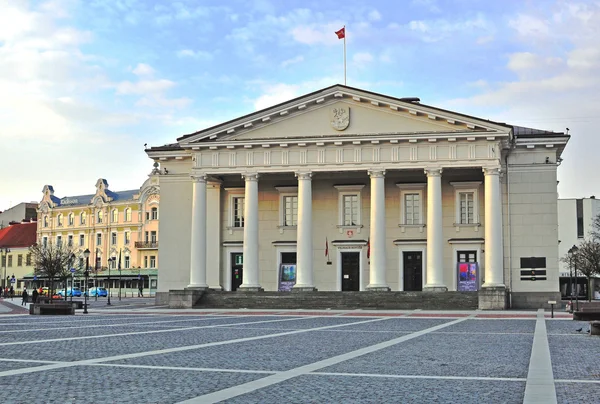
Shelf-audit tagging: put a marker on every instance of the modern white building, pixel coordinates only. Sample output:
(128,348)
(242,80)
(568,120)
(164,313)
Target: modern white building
(344,189)
(575,222)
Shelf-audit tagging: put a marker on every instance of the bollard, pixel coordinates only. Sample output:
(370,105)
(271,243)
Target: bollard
(552,303)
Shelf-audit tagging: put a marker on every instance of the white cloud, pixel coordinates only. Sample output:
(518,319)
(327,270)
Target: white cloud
(374,15)
(362,58)
(529,26)
(317,34)
(292,61)
(142,69)
(276,94)
(441,29)
(429,5)
(202,55)
(482,40)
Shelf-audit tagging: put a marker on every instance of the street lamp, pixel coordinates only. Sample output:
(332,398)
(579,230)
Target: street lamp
(86,254)
(110,261)
(572,255)
(4,250)
(71,261)
(96,270)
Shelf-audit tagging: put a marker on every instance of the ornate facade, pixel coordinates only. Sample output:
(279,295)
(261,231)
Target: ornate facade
(345,189)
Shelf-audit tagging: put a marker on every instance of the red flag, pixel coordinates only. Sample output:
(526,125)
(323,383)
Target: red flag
(369,248)
(341,33)
(326,248)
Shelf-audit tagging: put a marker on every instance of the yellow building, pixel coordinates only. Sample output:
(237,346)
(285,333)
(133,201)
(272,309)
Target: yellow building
(108,223)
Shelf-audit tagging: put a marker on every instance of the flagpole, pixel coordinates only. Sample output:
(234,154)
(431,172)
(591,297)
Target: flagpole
(344,55)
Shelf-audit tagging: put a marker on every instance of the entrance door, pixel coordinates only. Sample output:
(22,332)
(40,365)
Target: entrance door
(413,271)
(350,271)
(237,269)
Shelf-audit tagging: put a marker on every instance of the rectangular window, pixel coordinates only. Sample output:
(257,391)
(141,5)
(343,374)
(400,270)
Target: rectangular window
(128,215)
(152,261)
(238,211)
(145,262)
(466,208)
(59,241)
(71,219)
(82,218)
(81,240)
(147,216)
(59,221)
(20,260)
(154,213)
(70,241)
(126,237)
(146,236)
(81,263)
(466,256)
(412,208)
(350,207)
(99,239)
(28,260)
(10,260)
(579,211)
(290,210)
(45,242)
(113,237)
(153,236)
(127,262)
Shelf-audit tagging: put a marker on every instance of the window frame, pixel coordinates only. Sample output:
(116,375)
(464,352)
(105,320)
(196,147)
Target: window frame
(46,221)
(114,215)
(114,238)
(59,220)
(81,240)
(127,215)
(466,187)
(98,239)
(100,217)
(126,237)
(71,219)
(348,190)
(70,240)
(82,218)
(152,261)
(127,262)
(408,189)
(286,192)
(238,192)
(154,213)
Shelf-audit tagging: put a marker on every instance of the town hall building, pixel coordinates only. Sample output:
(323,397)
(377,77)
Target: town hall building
(344,189)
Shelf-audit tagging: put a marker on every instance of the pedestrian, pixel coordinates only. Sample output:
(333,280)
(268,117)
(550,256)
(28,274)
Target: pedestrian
(6,292)
(24,295)
(34,295)
(12,292)
(140,291)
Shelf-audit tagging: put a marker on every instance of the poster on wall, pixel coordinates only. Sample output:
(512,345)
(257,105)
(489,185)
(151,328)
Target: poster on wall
(287,277)
(468,276)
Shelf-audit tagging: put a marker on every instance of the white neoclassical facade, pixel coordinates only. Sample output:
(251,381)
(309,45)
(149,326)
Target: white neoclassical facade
(345,189)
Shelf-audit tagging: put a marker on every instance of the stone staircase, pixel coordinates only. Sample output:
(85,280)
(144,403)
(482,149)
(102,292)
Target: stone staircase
(339,300)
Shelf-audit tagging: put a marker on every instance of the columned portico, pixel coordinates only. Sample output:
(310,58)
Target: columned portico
(304,281)
(377,271)
(494,273)
(435,238)
(250,272)
(198,236)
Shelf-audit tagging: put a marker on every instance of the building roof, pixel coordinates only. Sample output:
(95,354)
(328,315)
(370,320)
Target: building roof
(79,200)
(18,235)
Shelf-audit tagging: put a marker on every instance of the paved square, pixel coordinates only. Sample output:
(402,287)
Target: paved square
(162,356)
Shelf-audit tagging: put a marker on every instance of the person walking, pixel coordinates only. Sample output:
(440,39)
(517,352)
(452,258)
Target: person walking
(140,291)
(12,292)
(25,295)
(34,295)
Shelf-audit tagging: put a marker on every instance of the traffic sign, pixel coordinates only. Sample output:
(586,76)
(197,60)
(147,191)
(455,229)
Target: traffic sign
(73,270)
(12,280)
(34,278)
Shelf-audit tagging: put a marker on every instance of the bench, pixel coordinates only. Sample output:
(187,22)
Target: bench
(587,314)
(77,304)
(51,309)
(594,327)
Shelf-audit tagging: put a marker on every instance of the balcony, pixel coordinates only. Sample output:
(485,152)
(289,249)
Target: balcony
(146,245)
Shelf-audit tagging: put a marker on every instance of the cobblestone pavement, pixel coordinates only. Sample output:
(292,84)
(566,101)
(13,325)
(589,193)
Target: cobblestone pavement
(270,357)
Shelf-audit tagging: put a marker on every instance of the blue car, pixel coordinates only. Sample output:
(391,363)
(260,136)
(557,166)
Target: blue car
(70,292)
(101,292)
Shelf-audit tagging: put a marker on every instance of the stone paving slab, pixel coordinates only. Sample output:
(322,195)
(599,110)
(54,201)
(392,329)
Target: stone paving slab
(578,393)
(495,326)
(110,346)
(95,384)
(448,355)
(271,354)
(575,357)
(346,389)
(399,325)
(6,365)
(303,323)
(566,327)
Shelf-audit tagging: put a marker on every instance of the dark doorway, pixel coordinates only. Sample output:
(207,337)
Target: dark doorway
(237,269)
(413,271)
(288,258)
(350,271)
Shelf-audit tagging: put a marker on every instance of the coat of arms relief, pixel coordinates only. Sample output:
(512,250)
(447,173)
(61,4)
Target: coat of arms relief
(339,117)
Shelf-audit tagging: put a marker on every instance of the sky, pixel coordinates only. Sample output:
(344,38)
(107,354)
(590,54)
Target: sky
(85,84)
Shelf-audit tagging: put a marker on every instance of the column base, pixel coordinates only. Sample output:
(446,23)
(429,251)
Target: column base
(302,289)
(196,287)
(250,288)
(435,288)
(378,288)
(492,298)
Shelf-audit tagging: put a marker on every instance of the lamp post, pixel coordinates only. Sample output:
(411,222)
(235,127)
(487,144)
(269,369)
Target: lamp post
(110,261)
(71,261)
(572,255)
(86,254)
(4,250)
(96,270)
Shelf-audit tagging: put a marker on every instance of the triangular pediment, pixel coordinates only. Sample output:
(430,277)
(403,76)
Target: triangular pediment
(342,111)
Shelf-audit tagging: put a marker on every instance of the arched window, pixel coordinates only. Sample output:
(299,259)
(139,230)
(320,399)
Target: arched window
(115,216)
(128,214)
(82,217)
(45,221)
(71,219)
(100,216)
(59,219)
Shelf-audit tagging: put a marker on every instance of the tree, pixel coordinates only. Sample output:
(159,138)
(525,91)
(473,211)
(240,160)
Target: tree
(53,262)
(586,260)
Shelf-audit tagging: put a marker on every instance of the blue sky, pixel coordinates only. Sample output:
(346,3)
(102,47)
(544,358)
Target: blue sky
(85,84)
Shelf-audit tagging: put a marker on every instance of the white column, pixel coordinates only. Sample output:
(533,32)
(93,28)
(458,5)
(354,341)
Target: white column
(377,232)
(198,236)
(304,280)
(435,237)
(494,268)
(250,270)
(213,243)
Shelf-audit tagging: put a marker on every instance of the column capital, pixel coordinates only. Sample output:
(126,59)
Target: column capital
(491,170)
(250,176)
(376,173)
(434,172)
(198,177)
(304,175)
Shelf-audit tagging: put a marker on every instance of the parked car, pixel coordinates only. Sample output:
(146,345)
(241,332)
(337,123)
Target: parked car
(43,291)
(70,291)
(102,292)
